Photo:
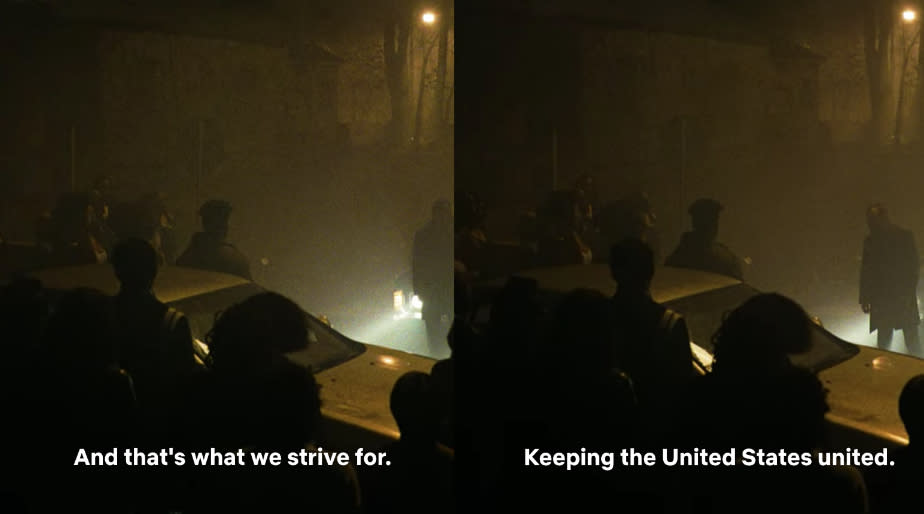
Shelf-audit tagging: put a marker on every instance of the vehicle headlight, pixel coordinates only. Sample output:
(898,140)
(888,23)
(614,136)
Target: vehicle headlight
(416,303)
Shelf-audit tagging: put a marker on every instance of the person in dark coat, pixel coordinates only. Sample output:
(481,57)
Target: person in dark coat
(432,267)
(631,216)
(155,342)
(889,280)
(209,249)
(698,249)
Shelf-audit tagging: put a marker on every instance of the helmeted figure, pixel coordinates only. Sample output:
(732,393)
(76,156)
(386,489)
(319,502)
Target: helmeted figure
(432,267)
(698,249)
(209,249)
(889,279)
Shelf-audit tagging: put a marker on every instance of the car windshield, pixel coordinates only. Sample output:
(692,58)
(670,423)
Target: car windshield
(705,312)
(327,347)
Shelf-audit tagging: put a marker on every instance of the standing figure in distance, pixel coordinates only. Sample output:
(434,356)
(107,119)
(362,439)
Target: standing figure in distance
(699,249)
(432,269)
(889,280)
(210,249)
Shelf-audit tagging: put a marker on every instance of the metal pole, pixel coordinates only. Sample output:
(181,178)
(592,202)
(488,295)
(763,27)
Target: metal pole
(73,158)
(554,159)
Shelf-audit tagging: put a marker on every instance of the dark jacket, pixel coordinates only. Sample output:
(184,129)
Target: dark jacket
(211,252)
(156,352)
(698,252)
(889,279)
(658,362)
(432,263)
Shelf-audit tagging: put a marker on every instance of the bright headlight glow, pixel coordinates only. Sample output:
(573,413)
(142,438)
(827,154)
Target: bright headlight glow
(416,303)
(387,360)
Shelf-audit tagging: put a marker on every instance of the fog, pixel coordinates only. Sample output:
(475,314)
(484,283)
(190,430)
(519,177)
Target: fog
(767,108)
(300,118)
(283,110)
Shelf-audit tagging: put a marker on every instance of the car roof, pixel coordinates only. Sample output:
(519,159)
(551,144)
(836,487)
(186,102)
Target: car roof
(669,283)
(863,391)
(356,391)
(173,283)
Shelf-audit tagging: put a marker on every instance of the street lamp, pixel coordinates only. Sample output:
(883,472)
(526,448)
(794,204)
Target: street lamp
(429,19)
(909,16)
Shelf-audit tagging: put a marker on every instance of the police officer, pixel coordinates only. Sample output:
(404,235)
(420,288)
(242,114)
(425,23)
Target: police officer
(698,249)
(209,249)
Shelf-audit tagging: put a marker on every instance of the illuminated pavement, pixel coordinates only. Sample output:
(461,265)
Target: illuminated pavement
(836,303)
(381,329)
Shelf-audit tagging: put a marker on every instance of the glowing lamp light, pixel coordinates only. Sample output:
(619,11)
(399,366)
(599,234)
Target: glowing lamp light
(909,15)
(429,18)
(881,363)
(416,302)
(399,301)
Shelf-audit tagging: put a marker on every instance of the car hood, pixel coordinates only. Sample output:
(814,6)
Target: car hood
(864,390)
(358,391)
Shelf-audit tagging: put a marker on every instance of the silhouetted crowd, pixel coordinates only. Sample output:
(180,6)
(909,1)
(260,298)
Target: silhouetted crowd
(573,227)
(83,370)
(600,374)
(83,227)
(588,372)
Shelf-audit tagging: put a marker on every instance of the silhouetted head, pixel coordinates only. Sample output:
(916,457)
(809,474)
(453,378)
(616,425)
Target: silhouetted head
(254,332)
(80,333)
(632,265)
(877,217)
(135,263)
(761,333)
(704,216)
(911,408)
(413,405)
(215,216)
